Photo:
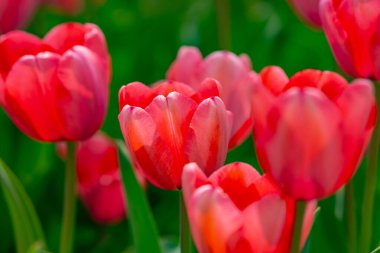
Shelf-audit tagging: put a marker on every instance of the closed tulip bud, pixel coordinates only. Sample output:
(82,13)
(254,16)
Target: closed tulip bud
(353,30)
(308,10)
(56,88)
(311,130)
(237,210)
(99,179)
(171,124)
(236,79)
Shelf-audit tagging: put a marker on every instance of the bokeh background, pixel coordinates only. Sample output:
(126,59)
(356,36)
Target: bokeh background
(143,39)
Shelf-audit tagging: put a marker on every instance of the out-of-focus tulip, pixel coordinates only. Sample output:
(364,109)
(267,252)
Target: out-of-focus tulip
(234,75)
(237,210)
(170,125)
(308,10)
(353,31)
(15,13)
(71,7)
(98,176)
(310,131)
(57,88)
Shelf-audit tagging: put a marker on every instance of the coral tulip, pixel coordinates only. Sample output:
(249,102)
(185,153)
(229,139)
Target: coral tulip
(311,130)
(167,126)
(237,210)
(353,31)
(15,13)
(98,176)
(233,73)
(308,10)
(55,89)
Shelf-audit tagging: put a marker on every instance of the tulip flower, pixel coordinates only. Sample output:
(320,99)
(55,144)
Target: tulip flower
(238,210)
(234,75)
(56,88)
(169,125)
(311,130)
(99,179)
(352,29)
(308,10)
(15,13)
(71,7)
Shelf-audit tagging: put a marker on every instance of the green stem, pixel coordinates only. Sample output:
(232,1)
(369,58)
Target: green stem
(297,229)
(185,235)
(370,183)
(350,207)
(69,204)
(224,30)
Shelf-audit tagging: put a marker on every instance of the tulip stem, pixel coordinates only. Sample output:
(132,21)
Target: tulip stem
(185,235)
(223,9)
(370,183)
(350,207)
(69,204)
(297,229)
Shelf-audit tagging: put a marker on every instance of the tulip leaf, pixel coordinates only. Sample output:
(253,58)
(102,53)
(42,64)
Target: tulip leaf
(144,230)
(27,227)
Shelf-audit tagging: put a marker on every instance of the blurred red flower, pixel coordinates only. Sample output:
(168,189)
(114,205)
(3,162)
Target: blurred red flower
(237,210)
(65,96)
(311,131)
(353,31)
(169,125)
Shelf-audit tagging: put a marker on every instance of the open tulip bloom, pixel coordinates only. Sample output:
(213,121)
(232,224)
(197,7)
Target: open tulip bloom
(236,210)
(65,96)
(236,79)
(311,130)
(171,124)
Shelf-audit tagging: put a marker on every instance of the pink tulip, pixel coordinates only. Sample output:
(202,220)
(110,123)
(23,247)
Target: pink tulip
(99,179)
(15,13)
(57,88)
(236,79)
(352,28)
(169,125)
(311,131)
(237,210)
(308,10)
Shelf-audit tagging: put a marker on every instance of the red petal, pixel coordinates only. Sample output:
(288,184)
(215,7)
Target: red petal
(135,94)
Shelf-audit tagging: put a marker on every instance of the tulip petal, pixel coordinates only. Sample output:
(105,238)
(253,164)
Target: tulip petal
(310,121)
(213,218)
(186,67)
(30,104)
(166,87)
(192,178)
(83,94)
(274,79)
(135,94)
(264,222)
(211,132)
(208,88)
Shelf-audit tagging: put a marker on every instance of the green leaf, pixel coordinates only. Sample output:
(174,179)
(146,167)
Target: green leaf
(144,230)
(27,227)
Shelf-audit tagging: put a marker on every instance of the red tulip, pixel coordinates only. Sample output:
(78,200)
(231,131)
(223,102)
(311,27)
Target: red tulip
(169,125)
(311,131)
(56,88)
(237,210)
(15,13)
(353,30)
(308,10)
(98,176)
(233,73)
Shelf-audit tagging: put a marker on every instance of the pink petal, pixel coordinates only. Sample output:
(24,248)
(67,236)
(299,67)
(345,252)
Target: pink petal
(186,67)
(211,132)
(166,87)
(311,123)
(83,94)
(31,105)
(192,178)
(213,219)
(208,88)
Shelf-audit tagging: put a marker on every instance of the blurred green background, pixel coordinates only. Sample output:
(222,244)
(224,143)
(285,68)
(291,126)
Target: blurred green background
(143,39)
